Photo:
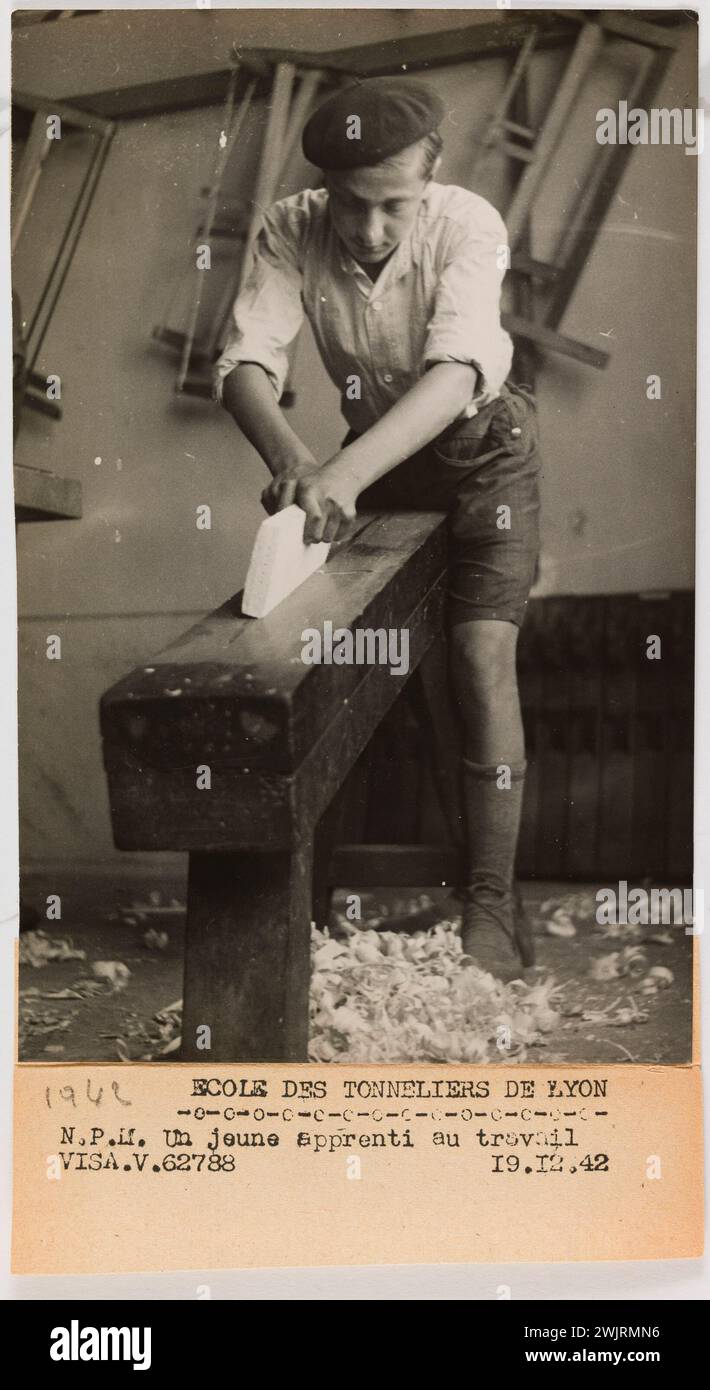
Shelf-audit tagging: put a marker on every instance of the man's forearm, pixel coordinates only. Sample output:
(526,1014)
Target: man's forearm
(432,404)
(249,397)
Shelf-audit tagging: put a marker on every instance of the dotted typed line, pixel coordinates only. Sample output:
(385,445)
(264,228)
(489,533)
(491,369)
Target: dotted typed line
(262,1114)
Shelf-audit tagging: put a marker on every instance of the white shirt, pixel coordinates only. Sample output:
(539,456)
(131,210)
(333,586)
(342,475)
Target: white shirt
(436,300)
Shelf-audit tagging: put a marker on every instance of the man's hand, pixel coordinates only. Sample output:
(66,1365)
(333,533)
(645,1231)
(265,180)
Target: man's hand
(329,504)
(327,498)
(281,491)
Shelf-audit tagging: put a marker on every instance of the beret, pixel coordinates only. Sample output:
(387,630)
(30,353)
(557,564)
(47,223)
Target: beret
(393,112)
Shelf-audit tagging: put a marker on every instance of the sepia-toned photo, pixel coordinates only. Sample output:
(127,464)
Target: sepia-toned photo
(354,410)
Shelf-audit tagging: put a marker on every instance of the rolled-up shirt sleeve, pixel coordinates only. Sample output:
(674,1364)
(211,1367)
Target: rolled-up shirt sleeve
(268,311)
(465,324)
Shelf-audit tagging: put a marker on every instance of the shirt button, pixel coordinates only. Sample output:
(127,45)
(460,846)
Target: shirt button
(377,306)
(516,431)
(387,377)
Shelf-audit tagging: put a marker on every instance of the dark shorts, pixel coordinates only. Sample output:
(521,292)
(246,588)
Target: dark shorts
(475,470)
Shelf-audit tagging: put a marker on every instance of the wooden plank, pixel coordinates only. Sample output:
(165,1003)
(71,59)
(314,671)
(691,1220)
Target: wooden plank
(589,202)
(200,385)
(523,264)
(247,965)
(163,808)
(134,63)
(24,182)
(630,26)
(65,254)
(270,160)
(235,691)
(357,570)
(324,839)
(70,115)
(396,866)
(264,193)
(505,34)
(578,240)
(282,136)
(44,497)
(175,338)
(586,49)
(519,152)
(130,98)
(526,357)
(41,406)
(524,131)
(163,95)
(301,106)
(499,121)
(546,337)
(233,124)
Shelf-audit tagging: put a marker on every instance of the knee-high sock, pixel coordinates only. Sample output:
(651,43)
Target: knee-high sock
(493,816)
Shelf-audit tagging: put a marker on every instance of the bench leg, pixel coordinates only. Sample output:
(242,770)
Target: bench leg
(325,840)
(247,957)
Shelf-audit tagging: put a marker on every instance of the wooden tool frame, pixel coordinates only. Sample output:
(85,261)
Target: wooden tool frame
(26,181)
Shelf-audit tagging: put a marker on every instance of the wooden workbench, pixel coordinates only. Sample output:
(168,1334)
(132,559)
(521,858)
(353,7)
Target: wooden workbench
(279,738)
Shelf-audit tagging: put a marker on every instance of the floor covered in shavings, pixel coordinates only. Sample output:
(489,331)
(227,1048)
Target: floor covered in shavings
(105,983)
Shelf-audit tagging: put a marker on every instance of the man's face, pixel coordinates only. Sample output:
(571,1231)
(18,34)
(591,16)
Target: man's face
(373,209)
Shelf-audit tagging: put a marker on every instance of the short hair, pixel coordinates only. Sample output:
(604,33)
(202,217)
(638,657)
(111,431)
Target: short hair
(432,145)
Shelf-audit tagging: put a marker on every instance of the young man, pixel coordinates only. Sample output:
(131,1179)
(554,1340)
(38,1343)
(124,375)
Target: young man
(400,279)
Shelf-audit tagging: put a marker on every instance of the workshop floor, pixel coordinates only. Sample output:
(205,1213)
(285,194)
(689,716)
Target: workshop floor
(122,970)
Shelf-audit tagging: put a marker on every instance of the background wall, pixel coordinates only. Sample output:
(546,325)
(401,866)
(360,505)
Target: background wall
(120,583)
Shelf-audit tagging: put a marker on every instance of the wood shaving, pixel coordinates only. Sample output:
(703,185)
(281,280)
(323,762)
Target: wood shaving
(379,996)
(156,940)
(37,948)
(630,961)
(387,997)
(113,973)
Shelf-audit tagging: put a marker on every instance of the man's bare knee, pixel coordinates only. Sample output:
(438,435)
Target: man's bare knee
(484,656)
